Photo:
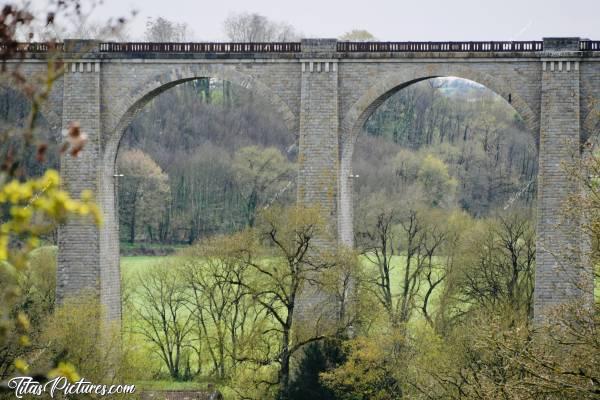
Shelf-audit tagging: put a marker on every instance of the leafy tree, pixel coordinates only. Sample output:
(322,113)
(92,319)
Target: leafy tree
(370,370)
(437,183)
(224,314)
(206,197)
(32,207)
(492,356)
(36,284)
(35,206)
(143,194)
(71,334)
(408,241)
(479,138)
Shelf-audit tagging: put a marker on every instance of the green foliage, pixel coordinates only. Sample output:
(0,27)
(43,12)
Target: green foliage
(205,198)
(35,206)
(38,284)
(73,334)
(36,288)
(370,371)
(438,185)
(224,307)
(162,318)
(494,356)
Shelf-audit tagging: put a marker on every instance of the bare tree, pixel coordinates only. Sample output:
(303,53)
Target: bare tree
(246,27)
(499,272)
(162,316)
(223,311)
(408,242)
(163,30)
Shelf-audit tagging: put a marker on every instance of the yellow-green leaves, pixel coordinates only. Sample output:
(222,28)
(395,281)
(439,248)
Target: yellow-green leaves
(64,369)
(34,206)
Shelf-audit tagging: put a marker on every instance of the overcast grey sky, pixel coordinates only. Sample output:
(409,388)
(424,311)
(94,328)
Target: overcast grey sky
(399,20)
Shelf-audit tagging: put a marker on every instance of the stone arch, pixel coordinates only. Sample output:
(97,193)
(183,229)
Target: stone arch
(149,89)
(129,106)
(388,85)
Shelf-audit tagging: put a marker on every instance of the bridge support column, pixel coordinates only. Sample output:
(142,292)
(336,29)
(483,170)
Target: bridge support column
(319,145)
(560,266)
(319,128)
(85,262)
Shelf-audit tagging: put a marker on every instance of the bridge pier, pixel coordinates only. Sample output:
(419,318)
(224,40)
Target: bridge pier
(88,255)
(561,270)
(318,160)
(319,128)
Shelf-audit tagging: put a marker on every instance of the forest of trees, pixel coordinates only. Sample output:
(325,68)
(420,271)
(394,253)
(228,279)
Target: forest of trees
(452,142)
(464,142)
(433,302)
(222,155)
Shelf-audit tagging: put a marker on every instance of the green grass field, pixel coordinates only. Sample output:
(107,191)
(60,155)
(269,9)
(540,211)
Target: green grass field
(132,265)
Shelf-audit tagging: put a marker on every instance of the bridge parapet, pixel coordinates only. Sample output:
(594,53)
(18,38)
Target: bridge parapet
(589,45)
(267,47)
(421,47)
(328,48)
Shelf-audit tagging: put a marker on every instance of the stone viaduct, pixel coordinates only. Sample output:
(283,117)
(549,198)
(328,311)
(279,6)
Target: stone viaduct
(324,90)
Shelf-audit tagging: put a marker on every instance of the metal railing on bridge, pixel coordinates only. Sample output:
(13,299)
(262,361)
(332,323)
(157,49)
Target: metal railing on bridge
(589,45)
(142,47)
(401,47)
(296,47)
